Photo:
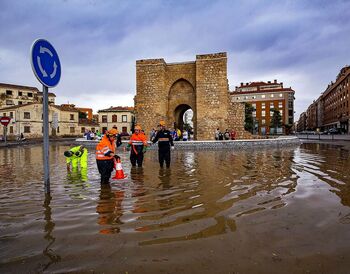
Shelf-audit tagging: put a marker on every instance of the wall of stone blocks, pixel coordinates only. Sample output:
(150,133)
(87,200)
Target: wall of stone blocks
(202,85)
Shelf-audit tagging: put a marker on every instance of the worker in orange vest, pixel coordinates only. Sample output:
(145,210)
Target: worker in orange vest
(137,144)
(105,153)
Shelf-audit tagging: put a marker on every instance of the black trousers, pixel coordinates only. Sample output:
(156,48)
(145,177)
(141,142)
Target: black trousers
(164,155)
(105,168)
(136,158)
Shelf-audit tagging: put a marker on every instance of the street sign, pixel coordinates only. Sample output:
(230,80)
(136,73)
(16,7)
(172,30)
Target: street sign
(45,63)
(5,120)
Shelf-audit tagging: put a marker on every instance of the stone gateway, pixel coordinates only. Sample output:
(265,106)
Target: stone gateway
(165,91)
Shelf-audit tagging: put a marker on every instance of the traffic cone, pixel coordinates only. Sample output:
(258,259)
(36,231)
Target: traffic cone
(119,173)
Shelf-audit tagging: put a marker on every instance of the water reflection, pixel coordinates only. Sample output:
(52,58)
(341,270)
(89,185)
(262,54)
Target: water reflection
(48,236)
(204,194)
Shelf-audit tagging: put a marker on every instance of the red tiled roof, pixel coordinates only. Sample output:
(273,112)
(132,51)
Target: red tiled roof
(119,108)
(65,108)
(4,85)
(262,91)
(11,86)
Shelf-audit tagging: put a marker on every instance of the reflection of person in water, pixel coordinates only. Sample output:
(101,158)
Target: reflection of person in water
(164,177)
(109,208)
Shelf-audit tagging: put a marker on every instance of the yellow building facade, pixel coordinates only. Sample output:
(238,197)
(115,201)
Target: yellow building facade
(121,117)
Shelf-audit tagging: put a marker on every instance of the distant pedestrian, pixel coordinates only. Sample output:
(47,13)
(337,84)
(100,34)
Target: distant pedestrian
(184,135)
(217,133)
(227,135)
(233,134)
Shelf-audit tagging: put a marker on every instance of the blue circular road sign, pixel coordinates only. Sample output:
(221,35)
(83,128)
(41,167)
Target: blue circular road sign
(45,63)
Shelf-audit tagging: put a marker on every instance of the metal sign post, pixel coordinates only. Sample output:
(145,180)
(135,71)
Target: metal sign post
(47,69)
(5,121)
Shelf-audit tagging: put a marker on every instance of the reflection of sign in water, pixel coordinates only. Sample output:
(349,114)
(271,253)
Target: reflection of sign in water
(54,120)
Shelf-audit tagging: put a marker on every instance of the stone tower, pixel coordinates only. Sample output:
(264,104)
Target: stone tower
(164,91)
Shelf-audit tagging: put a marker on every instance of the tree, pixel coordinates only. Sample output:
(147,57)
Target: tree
(276,120)
(249,121)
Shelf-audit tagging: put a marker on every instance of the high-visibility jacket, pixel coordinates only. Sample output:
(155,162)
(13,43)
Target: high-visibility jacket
(75,160)
(137,141)
(104,148)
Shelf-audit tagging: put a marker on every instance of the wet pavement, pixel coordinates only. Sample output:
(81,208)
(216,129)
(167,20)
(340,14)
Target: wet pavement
(254,211)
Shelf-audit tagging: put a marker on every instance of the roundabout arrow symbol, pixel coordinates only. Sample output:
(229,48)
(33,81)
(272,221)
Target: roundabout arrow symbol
(54,70)
(40,67)
(43,50)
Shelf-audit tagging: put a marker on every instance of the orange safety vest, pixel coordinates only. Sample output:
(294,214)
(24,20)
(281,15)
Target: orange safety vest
(103,147)
(137,140)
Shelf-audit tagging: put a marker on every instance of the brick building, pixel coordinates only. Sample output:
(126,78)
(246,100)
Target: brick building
(301,126)
(332,108)
(336,102)
(265,97)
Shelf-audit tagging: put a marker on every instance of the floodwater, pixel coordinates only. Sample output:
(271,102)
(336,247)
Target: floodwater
(255,211)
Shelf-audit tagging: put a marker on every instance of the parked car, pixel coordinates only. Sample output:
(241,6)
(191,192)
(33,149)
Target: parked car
(334,130)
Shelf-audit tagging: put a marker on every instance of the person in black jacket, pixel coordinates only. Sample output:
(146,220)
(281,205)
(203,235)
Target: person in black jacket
(165,141)
(118,141)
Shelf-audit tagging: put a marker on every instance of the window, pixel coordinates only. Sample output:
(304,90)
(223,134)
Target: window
(20,103)
(58,129)
(271,113)
(114,118)
(263,105)
(263,96)
(263,113)
(72,117)
(271,105)
(104,118)
(124,118)
(11,114)
(280,104)
(72,129)
(20,93)
(26,115)
(82,130)
(124,129)
(254,106)
(26,129)
(11,129)
(263,121)
(254,113)
(9,102)
(272,95)
(8,92)
(30,94)
(281,111)
(281,95)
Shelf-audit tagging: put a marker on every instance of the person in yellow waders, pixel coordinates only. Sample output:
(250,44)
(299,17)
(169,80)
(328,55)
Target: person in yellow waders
(76,156)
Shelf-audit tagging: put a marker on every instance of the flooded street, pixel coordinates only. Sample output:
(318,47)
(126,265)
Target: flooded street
(253,211)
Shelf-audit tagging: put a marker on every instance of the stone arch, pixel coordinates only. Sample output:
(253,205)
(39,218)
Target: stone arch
(182,96)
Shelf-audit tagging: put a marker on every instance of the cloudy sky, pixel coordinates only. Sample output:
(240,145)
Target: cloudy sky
(303,44)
